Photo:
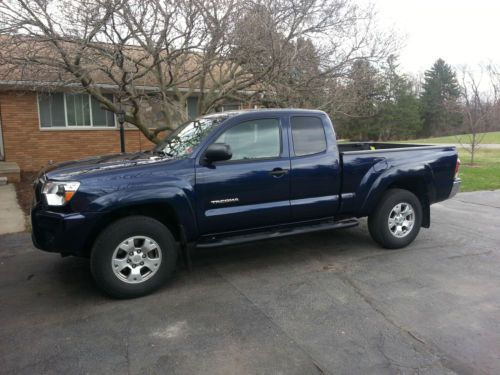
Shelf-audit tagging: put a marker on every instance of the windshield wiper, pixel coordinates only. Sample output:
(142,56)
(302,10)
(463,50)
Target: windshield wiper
(163,153)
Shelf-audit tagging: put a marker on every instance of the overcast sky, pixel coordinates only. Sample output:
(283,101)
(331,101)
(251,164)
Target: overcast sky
(459,31)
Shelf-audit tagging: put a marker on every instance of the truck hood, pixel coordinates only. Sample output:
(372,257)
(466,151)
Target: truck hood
(77,168)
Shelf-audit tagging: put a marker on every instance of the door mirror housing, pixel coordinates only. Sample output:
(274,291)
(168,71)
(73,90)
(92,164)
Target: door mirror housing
(218,152)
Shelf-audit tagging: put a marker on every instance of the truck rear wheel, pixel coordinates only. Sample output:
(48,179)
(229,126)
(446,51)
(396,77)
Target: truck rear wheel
(133,257)
(396,220)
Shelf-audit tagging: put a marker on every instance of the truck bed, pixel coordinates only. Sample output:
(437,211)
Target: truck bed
(366,165)
(374,146)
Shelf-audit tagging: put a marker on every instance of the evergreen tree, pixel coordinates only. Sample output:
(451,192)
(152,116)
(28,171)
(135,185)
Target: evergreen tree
(384,105)
(440,93)
(363,92)
(399,114)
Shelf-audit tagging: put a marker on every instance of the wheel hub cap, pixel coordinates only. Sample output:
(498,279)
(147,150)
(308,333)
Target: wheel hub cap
(401,219)
(136,259)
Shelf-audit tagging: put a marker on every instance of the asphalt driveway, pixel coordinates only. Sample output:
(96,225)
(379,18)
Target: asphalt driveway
(330,303)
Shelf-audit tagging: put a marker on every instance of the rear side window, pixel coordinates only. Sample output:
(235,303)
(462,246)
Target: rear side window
(308,135)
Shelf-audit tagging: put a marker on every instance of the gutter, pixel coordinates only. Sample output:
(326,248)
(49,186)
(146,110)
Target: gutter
(33,85)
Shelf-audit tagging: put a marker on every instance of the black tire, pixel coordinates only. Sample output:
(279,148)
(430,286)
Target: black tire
(119,231)
(378,221)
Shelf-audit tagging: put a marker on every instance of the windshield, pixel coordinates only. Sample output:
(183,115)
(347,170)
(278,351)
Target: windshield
(186,137)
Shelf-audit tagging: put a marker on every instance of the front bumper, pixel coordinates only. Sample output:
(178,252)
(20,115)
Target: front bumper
(63,233)
(456,187)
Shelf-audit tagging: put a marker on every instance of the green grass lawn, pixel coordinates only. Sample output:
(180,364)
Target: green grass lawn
(484,174)
(490,138)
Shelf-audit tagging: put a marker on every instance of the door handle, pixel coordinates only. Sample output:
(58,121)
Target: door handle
(278,172)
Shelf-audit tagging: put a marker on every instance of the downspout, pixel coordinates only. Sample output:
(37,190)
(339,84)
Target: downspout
(2,153)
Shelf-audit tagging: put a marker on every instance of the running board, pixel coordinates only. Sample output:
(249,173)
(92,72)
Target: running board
(282,232)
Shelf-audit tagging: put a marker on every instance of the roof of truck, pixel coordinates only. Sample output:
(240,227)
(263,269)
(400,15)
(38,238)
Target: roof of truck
(267,110)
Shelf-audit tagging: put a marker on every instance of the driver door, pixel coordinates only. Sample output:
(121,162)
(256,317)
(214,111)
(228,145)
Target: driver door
(250,190)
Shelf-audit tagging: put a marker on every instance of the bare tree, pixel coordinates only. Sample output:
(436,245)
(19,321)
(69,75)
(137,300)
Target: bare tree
(142,50)
(153,55)
(494,76)
(480,106)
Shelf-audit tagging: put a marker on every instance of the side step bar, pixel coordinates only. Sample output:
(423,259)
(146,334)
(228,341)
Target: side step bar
(282,232)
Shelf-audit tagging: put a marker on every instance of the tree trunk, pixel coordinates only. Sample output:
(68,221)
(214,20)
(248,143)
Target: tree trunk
(472,148)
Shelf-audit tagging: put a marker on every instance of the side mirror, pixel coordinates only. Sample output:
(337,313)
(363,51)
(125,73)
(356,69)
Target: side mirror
(218,152)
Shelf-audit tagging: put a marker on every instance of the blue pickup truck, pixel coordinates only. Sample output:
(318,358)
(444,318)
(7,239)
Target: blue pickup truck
(228,178)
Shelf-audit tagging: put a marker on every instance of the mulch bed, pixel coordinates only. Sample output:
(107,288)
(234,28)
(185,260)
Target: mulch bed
(24,191)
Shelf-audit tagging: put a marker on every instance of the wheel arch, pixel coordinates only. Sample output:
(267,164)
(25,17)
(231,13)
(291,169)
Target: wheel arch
(418,187)
(164,212)
(418,182)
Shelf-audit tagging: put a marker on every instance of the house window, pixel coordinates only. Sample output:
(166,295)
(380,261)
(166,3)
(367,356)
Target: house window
(73,110)
(192,107)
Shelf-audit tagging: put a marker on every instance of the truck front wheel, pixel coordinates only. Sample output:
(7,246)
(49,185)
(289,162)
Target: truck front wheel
(133,257)
(396,220)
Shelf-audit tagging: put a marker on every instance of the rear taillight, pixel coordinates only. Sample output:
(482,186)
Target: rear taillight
(457,168)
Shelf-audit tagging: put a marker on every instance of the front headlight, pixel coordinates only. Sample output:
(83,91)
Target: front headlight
(58,193)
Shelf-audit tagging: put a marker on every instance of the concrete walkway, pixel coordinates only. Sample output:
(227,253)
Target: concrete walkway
(11,216)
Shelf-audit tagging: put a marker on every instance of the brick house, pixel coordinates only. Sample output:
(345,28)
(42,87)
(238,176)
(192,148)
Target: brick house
(43,120)
(37,128)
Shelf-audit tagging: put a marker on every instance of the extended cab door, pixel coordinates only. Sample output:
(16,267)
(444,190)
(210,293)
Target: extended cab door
(315,175)
(252,189)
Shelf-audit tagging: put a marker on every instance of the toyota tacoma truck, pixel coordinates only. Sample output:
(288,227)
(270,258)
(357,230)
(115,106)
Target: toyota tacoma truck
(228,178)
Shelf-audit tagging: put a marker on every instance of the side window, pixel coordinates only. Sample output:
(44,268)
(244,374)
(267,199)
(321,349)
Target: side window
(308,135)
(254,139)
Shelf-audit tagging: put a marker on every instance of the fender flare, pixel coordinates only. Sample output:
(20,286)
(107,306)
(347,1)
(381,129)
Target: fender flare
(174,197)
(397,176)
